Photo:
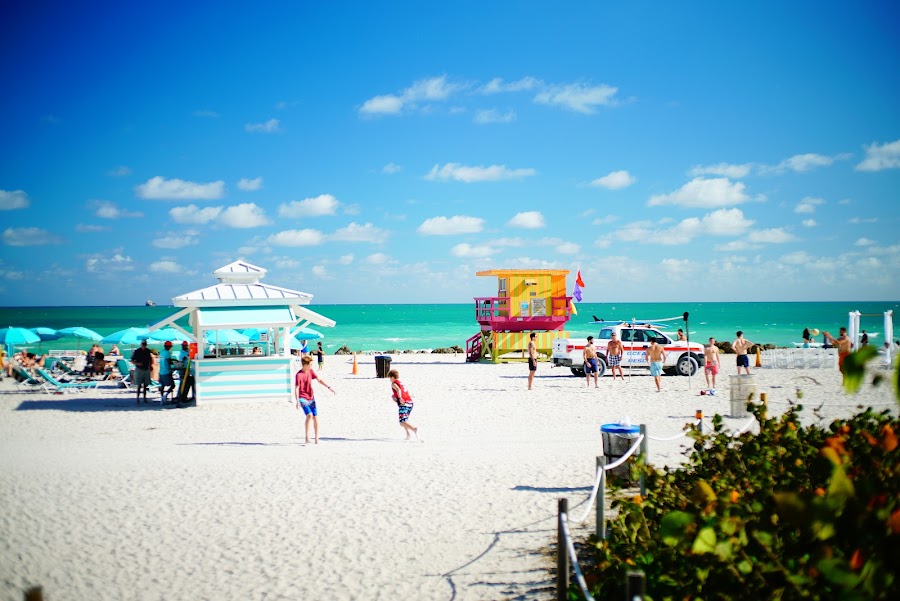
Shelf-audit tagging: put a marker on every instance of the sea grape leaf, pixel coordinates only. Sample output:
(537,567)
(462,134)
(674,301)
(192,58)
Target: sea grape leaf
(792,507)
(705,541)
(673,527)
(840,487)
(855,367)
(836,570)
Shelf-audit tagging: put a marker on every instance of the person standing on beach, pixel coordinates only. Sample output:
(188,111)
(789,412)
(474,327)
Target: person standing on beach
(320,356)
(532,359)
(681,337)
(303,392)
(404,401)
(187,374)
(864,339)
(806,337)
(166,379)
(142,362)
(590,362)
(741,345)
(614,352)
(843,345)
(712,362)
(656,355)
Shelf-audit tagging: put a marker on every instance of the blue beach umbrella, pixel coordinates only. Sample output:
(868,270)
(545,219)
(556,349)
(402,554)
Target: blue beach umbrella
(307,334)
(47,333)
(128,336)
(165,335)
(17,336)
(252,333)
(226,336)
(80,332)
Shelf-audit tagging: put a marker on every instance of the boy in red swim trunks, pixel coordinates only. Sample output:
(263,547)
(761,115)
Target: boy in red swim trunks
(404,401)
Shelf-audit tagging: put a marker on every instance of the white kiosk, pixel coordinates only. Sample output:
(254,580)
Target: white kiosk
(239,300)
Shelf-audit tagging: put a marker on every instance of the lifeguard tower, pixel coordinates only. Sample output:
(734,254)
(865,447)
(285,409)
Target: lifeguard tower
(527,300)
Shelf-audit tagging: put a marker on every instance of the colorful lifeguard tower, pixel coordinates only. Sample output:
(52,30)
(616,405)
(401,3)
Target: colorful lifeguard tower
(527,300)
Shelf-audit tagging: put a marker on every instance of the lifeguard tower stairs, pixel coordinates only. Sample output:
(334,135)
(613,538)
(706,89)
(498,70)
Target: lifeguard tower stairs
(527,300)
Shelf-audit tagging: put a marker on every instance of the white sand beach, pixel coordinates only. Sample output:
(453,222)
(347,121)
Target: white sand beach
(103,499)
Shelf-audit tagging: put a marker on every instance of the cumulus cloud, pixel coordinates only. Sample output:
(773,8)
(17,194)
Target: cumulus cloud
(15,199)
(194,214)
(377,259)
(578,97)
(249,185)
(324,204)
(267,127)
(391,168)
(808,205)
(497,85)
(107,263)
(355,232)
(84,228)
(293,238)
(175,241)
(469,251)
(165,267)
(160,188)
(806,162)
(722,169)
(445,226)
(345,259)
(527,220)
(462,173)
(244,215)
(485,116)
(809,223)
(120,171)
(29,236)
(109,210)
(864,242)
(775,235)
(431,89)
(723,222)
(704,193)
(604,220)
(863,220)
(881,156)
(614,180)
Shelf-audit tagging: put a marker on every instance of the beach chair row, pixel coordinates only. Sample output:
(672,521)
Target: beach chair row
(799,358)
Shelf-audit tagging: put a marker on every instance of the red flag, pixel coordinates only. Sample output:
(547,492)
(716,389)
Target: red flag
(578,279)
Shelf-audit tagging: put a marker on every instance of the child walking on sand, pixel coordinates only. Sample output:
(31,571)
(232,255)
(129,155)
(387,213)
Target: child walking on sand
(404,401)
(303,392)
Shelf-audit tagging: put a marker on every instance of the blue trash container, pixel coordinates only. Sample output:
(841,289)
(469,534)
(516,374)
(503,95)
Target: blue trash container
(617,439)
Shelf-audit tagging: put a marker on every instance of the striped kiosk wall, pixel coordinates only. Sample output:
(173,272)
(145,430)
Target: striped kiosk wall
(245,379)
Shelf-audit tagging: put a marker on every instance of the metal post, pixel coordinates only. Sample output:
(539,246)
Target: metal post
(763,398)
(562,554)
(698,415)
(35,593)
(645,456)
(601,500)
(635,586)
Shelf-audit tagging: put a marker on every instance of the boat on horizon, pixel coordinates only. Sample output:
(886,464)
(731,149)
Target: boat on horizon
(149,303)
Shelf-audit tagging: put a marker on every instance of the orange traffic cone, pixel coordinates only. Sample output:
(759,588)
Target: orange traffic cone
(758,357)
(355,369)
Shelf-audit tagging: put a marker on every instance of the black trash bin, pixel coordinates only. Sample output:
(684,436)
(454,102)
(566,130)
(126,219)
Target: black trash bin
(382,365)
(617,440)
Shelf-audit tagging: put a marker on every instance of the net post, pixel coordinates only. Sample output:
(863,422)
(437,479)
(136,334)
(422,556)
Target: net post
(601,499)
(645,456)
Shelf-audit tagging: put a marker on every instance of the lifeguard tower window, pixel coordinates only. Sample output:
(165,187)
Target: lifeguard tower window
(501,287)
(539,307)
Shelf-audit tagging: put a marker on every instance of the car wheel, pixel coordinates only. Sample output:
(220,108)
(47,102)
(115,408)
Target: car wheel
(577,372)
(601,367)
(687,366)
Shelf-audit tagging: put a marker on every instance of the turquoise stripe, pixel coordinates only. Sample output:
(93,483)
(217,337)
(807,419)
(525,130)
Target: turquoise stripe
(247,385)
(283,373)
(238,394)
(237,364)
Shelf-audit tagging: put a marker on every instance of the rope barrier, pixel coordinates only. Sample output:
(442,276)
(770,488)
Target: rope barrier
(601,476)
(579,577)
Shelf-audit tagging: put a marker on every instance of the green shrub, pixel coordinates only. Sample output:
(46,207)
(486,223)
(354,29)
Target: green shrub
(793,512)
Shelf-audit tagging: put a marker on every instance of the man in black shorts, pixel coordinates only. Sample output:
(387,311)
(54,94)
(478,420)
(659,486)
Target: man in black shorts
(532,359)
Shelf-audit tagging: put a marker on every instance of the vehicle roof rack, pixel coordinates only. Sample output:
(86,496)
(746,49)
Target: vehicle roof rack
(623,322)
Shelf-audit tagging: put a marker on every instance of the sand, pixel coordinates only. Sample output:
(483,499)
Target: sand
(102,499)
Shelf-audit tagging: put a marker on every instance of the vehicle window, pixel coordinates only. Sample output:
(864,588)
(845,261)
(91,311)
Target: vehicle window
(654,335)
(638,336)
(605,334)
(625,335)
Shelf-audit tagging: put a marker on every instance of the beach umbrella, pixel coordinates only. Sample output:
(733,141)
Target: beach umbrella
(252,333)
(165,335)
(47,333)
(226,336)
(17,336)
(127,336)
(307,334)
(80,332)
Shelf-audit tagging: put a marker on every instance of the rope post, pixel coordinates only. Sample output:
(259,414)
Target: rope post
(645,455)
(601,501)
(562,554)
(763,397)
(698,415)
(635,586)
(35,593)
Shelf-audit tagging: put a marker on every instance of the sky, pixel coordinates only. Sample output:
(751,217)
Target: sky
(368,152)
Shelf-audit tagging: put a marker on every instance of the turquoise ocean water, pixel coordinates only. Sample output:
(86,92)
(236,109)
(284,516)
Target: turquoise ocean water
(414,327)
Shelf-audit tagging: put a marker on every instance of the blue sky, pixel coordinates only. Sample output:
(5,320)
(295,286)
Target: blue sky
(385,152)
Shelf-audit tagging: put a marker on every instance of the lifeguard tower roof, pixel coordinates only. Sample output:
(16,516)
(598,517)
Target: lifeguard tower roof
(505,273)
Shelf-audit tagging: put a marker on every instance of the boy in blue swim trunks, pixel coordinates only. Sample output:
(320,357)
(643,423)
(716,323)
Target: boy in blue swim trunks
(656,355)
(404,401)
(591,366)
(303,392)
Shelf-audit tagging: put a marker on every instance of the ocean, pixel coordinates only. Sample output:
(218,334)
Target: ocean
(420,326)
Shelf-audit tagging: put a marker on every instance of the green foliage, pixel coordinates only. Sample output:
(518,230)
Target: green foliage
(792,512)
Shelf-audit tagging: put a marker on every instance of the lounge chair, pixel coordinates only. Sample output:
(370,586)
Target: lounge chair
(25,381)
(125,372)
(54,385)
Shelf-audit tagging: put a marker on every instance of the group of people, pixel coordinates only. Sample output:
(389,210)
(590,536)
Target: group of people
(23,360)
(168,363)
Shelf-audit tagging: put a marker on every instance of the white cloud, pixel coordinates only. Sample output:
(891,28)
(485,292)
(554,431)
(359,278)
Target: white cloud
(677,267)
(509,242)
(324,204)
(775,235)
(881,156)
(807,162)
(615,180)
(16,199)
(268,127)
(808,205)
(864,242)
(722,169)
(494,116)
(528,220)
(175,241)
(864,220)
(12,275)
(194,214)
(160,188)
(425,90)
(165,267)
(723,222)
(391,168)
(305,237)
(704,193)
(355,232)
(444,226)
(578,97)
(244,215)
(109,210)
(387,104)
(90,228)
(497,85)
(809,223)
(468,251)
(106,263)
(568,248)
(319,271)
(377,259)
(28,236)
(120,171)
(345,259)
(799,257)
(462,173)
(604,220)
(249,185)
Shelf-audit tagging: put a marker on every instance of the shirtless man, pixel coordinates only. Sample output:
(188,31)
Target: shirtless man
(532,359)
(656,355)
(614,352)
(741,345)
(712,362)
(591,366)
(843,345)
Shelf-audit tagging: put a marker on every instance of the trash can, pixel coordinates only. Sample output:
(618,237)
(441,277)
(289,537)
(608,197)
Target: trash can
(617,439)
(382,365)
(742,389)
